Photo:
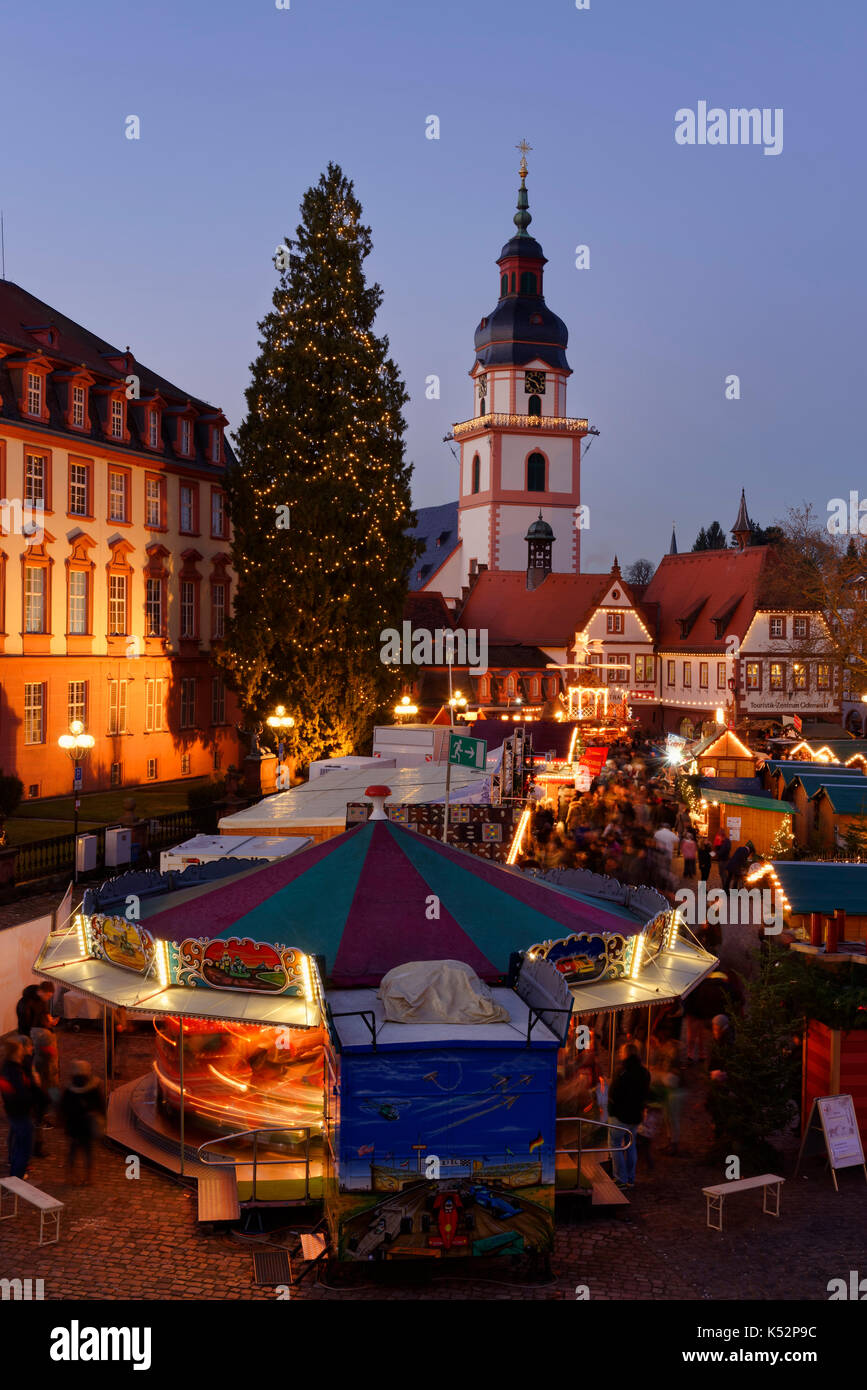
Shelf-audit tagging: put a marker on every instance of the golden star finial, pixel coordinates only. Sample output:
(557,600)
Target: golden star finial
(525,149)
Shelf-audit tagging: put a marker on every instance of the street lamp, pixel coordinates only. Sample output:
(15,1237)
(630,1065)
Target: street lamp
(280,721)
(405,709)
(77,744)
(458,703)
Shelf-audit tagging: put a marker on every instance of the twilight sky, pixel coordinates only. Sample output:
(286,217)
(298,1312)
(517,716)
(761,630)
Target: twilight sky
(704,260)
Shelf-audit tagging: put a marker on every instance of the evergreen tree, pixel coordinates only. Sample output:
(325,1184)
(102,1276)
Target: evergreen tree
(319,497)
(714,538)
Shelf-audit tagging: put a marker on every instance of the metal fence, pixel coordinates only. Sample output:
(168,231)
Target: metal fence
(46,858)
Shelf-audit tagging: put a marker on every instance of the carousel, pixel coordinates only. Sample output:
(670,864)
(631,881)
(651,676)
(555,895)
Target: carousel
(283,1070)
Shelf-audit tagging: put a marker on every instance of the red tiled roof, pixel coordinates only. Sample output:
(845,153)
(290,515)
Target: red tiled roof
(701,585)
(547,616)
(427,610)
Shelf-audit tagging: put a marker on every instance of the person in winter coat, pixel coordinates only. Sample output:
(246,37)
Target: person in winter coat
(18,1092)
(704,860)
(33,1008)
(627,1099)
(82,1109)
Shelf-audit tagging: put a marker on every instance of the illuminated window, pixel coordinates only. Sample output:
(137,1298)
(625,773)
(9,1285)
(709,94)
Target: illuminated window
(34,712)
(687,675)
(117,605)
(720,675)
(76,701)
(703,675)
(79,581)
(799,672)
(34,598)
(753,679)
(823,675)
(34,478)
(776,678)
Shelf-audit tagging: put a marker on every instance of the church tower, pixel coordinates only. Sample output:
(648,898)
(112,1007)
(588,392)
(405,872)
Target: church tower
(520,452)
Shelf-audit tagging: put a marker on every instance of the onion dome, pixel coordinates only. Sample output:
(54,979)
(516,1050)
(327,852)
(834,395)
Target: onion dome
(539,530)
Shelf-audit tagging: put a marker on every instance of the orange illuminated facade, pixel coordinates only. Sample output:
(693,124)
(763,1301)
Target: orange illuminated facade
(115,568)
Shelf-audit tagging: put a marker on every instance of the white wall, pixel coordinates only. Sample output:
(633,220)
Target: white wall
(19,947)
(514,450)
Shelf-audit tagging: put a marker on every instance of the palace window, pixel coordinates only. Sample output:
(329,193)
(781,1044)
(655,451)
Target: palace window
(34,713)
(218,514)
(35,592)
(153,429)
(155,703)
(536,473)
(185,765)
(79,606)
(218,611)
(117,706)
(78,405)
(117,605)
(216,446)
(117,419)
(34,478)
(153,607)
(188,702)
(34,394)
(776,678)
(76,701)
(188,510)
(218,701)
(117,496)
(154,502)
(186,434)
(79,488)
(115,777)
(188,608)
(151,769)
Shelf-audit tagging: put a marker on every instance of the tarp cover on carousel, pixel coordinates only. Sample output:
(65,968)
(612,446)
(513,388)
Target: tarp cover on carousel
(363,900)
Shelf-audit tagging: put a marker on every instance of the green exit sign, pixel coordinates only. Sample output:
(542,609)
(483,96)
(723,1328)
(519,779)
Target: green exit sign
(467,752)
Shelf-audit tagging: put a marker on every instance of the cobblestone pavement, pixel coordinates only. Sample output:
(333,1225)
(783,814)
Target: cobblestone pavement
(139,1238)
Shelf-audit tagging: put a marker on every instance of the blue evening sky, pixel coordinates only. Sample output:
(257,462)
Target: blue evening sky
(704,261)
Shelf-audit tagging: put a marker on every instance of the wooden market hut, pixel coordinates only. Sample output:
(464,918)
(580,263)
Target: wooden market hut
(726,756)
(804,787)
(836,808)
(744,817)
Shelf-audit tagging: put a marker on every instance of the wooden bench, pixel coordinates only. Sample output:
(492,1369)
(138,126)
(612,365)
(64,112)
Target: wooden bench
(47,1205)
(717,1195)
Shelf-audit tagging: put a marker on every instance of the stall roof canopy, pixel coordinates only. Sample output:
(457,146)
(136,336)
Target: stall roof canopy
(754,803)
(366,901)
(823,887)
(845,799)
(789,770)
(323,801)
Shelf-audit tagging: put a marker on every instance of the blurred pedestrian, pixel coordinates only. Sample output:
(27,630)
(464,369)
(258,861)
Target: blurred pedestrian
(17,1090)
(627,1100)
(82,1107)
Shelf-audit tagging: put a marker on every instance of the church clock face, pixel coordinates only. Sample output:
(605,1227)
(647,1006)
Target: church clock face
(534,383)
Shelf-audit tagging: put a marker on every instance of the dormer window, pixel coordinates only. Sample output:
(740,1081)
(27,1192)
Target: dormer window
(79,406)
(117,421)
(34,394)
(153,429)
(185,437)
(216,446)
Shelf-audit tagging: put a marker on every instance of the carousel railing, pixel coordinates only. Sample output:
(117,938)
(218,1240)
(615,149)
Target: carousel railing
(206,1153)
(581,1151)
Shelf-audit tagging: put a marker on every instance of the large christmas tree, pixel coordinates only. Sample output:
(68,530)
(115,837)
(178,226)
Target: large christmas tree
(319,498)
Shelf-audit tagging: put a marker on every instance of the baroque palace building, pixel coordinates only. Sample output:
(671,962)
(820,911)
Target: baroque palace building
(115,571)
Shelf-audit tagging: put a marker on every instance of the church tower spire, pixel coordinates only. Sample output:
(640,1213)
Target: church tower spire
(519,450)
(742,529)
(672,549)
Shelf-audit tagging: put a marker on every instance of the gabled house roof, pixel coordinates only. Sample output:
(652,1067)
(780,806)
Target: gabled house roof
(705,596)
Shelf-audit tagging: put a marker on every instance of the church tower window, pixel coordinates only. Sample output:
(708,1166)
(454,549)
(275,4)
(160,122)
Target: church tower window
(536,473)
(534,405)
(504,285)
(477,473)
(528,282)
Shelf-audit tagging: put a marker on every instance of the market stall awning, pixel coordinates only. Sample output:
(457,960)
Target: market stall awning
(754,803)
(819,886)
(380,895)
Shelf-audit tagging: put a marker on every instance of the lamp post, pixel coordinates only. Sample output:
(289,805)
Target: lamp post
(280,721)
(77,744)
(405,709)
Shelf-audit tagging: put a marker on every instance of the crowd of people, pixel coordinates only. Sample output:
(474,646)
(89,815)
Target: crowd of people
(34,1099)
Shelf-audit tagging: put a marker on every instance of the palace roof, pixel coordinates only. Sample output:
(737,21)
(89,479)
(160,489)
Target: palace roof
(706,595)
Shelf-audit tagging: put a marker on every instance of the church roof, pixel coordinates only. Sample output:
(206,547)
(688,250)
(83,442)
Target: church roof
(438,528)
(522,329)
(546,616)
(742,523)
